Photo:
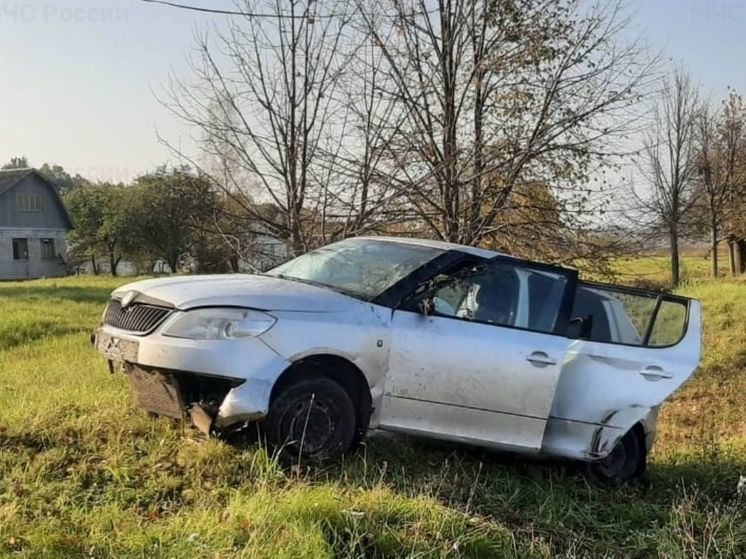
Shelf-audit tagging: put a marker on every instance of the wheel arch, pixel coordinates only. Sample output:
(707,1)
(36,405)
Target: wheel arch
(337,368)
(617,424)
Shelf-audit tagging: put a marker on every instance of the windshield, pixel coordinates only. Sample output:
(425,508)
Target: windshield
(363,268)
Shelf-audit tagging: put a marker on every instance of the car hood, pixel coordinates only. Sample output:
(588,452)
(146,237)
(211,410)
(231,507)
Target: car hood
(240,290)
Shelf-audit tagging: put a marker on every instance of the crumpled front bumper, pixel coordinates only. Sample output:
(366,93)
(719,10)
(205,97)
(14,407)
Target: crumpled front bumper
(250,361)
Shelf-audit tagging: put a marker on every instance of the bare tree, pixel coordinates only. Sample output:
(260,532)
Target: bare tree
(264,95)
(669,159)
(434,117)
(713,187)
(364,197)
(498,96)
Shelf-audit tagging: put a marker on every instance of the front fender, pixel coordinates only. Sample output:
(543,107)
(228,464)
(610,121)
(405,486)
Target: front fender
(250,400)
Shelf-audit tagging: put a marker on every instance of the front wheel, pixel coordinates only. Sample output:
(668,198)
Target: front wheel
(625,462)
(312,419)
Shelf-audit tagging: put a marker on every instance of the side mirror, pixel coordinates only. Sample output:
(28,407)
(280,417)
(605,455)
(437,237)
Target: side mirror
(580,327)
(426,306)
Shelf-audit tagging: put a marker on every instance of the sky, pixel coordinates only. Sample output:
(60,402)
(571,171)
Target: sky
(79,78)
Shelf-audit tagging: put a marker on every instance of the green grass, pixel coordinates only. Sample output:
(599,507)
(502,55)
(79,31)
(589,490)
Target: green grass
(83,474)
(655,271)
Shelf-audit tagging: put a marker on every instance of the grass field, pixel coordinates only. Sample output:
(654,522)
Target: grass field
(656,270)
(83,474)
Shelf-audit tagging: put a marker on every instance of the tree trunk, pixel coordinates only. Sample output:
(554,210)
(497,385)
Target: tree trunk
(675,269)
(113,263)
(94,266)
(296,235)
(740,256)
(451,185)
(173,263)
(714,249)
(737,259)
(732,256)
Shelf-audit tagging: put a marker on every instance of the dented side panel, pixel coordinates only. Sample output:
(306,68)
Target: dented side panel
(605,389)
(360,335)
(470,381)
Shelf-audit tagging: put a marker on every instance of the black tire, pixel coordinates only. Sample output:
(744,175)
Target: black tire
(624,463)
(311,420)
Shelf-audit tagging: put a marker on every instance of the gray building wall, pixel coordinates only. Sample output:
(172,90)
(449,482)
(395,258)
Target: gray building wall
(49,223)
(51,217)
(35,266)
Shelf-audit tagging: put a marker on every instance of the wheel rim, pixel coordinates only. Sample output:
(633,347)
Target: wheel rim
(309,425)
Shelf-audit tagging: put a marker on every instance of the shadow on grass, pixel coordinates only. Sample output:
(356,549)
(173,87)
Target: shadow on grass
(557,499)
(414,465)
(520,490)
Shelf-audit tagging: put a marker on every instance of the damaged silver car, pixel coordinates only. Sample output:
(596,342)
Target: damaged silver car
(412,336)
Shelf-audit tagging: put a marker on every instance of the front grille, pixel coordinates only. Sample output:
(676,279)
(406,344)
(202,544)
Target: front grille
(138,318)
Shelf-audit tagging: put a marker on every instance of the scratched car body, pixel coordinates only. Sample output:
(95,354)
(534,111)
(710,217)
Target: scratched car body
(417,337)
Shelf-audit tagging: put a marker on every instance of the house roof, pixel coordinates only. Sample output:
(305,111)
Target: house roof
(9,178)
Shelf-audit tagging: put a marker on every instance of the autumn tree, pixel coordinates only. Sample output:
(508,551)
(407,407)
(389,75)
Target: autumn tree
(732,137)
(721,148)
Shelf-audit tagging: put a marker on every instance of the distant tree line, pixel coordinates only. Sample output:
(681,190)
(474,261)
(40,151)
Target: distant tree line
(170,215)
(63,180)
(693,162)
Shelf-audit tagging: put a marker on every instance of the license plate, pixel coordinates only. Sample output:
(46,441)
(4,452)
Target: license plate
(116,349)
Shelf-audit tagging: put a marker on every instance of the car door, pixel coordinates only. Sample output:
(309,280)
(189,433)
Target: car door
(640,349)
(484,365)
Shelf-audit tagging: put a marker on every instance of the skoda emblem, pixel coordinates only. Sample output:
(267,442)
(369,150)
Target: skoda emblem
(128,298)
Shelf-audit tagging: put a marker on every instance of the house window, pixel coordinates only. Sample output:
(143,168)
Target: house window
(29,202)
(20,249)
(47,249)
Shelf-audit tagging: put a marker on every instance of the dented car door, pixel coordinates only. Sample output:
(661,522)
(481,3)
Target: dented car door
(484,366)
(640,349)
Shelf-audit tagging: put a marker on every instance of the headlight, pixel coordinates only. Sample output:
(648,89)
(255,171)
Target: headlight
(220,324)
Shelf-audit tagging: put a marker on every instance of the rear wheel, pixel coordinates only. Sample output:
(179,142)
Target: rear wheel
(312,419)
(625,462)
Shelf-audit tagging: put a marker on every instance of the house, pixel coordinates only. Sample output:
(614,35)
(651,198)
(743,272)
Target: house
(33,224)
(266,251)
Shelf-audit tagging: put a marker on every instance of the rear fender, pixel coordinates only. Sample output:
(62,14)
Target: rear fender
(607,436)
